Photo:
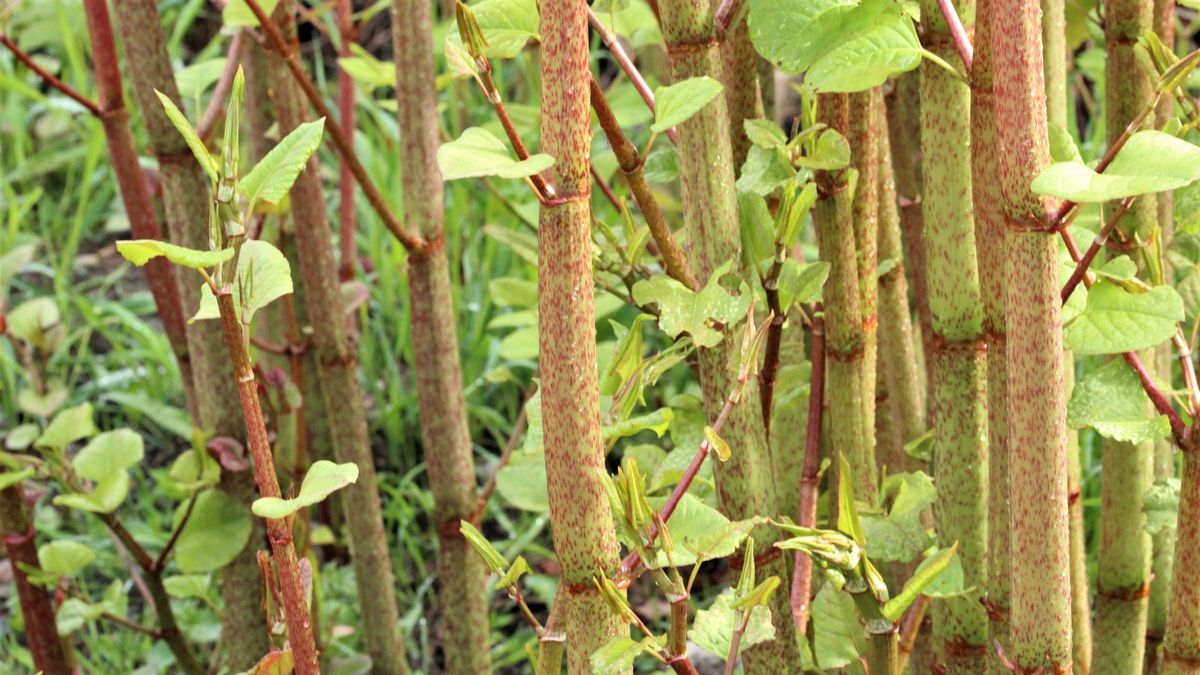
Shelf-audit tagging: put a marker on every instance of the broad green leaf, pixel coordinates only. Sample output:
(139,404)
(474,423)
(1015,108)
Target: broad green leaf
(890,48)
(205,159)
(801,282)
(838,634)
(677,103)
(712,629)
(948,584)
(105,497)
(1115,320)
(899,535)
(141,251)
(522,483)
(323,479)
(62,558)
(195,78)
(1062,145)
(1111,400)
(929,570)
(518,568)
(74,614)
(1161,505)
(832,152)
(764,133)
(757,226)
(616,656)
(508,25)
(193,470)
(458,61)
(187,585)
(68,426)
(796,36)
(161,413)
(1187,209)
(214,534)
(685,311)
(1150,161)
(1121,268)
(273,176)
(238,15)
(43,405)
(369,71)
(263,276)
(33,320)
(699,531)
(513,292)
(478,153)
(109,453)
(12,262)
(662,166)
(765,170)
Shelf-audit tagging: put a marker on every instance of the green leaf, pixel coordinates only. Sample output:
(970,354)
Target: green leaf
(10,478)
(508,25)
(68,426)
(63,558)
(238,15)
(141,251)
(1161,505)
(105,497)
(712,629)
(948,584)
(1115,320)
(765,170)
(263,276)
(75,614)
(796,36)
(513,292)
(1150,161)
(685,311)
(518,568)
(617,656)
(867,61)
(626,358)
(717,444)
(848,522)
(187,585)
(273,176)
(801,282)
(369,71)
(323,479)
(838,634)
(900,535)
(832,152)
(929,570)
(478,153)
(662,166)
(214,534)
(109,453)
(491,557)
(1121,268)
(1111,400)
(700,532)
(43,405)
(764,133)
(657,421)
(1062,145)
(33,320)
(1187,209)
(193,470)
(12,262)
(206,160)
(677,103)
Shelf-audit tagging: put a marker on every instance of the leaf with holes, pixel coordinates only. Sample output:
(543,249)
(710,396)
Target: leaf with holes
(686,311)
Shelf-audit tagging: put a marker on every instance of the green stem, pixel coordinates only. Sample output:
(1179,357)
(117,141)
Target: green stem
(584,538)
(1040,622)
(960,365)
(444,426)
(745,486)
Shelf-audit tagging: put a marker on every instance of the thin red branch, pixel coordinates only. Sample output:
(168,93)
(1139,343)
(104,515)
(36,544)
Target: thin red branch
(726,13)
(810,476)
(47,77)
(623,60)
(962,42)
(1081,269)
(216,104)
(341,141)
(161,561)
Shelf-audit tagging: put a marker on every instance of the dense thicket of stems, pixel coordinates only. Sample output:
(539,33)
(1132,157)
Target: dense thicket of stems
(745,486)
(1123,574)
(339,386)
(959,351)
(1040,620)
(444,428)
(185,191)
(41,635)
(582,522)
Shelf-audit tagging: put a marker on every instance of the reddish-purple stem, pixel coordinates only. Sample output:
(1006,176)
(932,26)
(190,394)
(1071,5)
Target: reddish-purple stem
(623,60)
(810,477)
(1081,269)
(347,215)
(962,42)
(216,104)
(47,77)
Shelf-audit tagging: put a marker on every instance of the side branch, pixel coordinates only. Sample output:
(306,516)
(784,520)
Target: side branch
(345,148)
(48,77)
(623,60)
(962,42)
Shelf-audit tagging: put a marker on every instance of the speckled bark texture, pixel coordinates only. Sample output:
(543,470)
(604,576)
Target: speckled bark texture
(960,451)
(745,486)
(989,240)
(845,342)
(1081,590)
(1040,619)
(863,135)
(186,204)
(904,134)
(584,539)
(897,347)
(37,612)
(1181,646)
(1124,566)
(338,377)
(742,87)
(444,429)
